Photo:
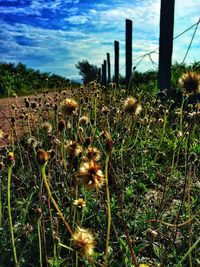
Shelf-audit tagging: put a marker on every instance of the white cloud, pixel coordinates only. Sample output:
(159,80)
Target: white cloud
(77,19)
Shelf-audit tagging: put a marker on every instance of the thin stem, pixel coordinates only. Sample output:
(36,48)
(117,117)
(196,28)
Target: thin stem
(1,207)
(39,240)
(108,209)
(179,264)
(189,216)
(10,217)
(42,168)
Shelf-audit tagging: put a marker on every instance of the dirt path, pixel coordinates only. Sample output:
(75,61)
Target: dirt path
(15,107)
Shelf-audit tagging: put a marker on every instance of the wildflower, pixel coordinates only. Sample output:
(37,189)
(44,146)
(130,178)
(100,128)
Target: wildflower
(190,82)
(47,127)
(74,148)
(83,242)
(83,120)
(68,106)
(132,106)
(80,203)
(90,175)
(92,154)
(10,159)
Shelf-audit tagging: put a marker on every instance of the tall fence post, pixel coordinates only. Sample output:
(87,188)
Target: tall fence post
(166,44)
(104,73)
(108,64)
(128,53)
(116,50)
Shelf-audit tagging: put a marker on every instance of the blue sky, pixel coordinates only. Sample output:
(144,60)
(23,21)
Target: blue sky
(53,35)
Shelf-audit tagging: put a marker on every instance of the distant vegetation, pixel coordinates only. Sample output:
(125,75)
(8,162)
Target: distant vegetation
(90,72)
(21,80)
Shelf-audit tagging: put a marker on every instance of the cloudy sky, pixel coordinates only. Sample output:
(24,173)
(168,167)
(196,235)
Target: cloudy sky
(53,35)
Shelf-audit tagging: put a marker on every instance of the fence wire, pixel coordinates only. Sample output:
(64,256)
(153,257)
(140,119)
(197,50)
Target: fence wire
(142,57)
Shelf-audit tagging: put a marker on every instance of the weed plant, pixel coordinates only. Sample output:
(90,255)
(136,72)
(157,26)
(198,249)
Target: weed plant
(101,179)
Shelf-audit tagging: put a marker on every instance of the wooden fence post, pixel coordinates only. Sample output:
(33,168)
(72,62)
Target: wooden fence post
(104,73)
(108,63)
(128,53)
(166,44)
(116,50)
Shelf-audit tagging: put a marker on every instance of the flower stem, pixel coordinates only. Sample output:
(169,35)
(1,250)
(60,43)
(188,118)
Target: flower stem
(42,168)
(108,209)
(10,217)
(39,240)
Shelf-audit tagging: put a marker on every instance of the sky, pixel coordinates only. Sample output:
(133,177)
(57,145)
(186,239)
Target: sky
(53,35)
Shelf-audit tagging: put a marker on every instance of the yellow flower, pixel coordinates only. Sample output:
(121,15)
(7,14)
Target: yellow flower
(83,242)
(80,203)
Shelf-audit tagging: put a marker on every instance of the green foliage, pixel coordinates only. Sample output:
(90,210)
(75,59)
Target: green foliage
(20,80)
(89,72)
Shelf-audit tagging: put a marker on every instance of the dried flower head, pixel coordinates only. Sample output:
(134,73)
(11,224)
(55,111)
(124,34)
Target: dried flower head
(190,82)
(132,106)
(90,175)
(80,203)
(42,156)
(47,127)
(74,148)
(68,106)
(84,120)
(92,153)
(83,242)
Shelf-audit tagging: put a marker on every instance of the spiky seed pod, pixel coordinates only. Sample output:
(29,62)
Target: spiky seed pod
(132,106)
(84,120)
(92,153)
(83,242)
(190,82)
(90,175)
(47,127)
(74,149)
(68,107)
